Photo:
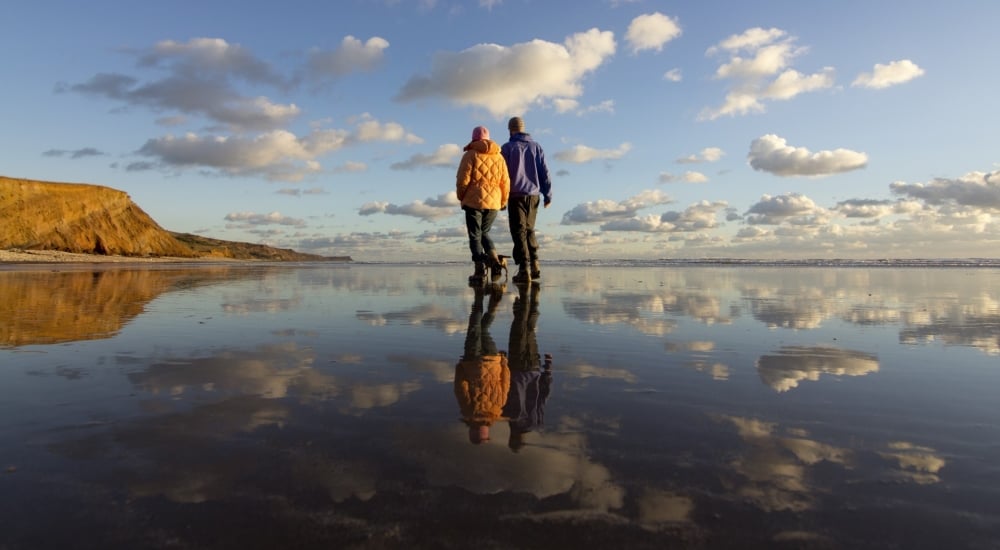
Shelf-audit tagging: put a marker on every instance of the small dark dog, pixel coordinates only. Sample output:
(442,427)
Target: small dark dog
(500,267)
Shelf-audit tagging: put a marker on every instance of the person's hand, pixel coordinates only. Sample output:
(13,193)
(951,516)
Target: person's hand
(547,203)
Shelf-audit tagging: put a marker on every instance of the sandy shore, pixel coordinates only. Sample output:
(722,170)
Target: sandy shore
(57,257)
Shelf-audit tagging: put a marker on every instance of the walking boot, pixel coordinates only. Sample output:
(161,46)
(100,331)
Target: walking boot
(536,272)
(523,274)
(479,275)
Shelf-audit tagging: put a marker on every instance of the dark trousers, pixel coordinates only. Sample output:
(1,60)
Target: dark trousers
(522,212)
(478,223)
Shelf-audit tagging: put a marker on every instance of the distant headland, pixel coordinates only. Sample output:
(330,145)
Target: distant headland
(98,221)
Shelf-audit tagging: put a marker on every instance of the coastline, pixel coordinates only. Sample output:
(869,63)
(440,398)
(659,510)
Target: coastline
(17,256)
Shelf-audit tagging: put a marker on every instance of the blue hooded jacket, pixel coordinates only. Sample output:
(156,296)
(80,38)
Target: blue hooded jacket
(529,174)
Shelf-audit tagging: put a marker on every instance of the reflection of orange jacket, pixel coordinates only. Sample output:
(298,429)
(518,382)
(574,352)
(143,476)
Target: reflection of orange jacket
(481,386)
(482,181)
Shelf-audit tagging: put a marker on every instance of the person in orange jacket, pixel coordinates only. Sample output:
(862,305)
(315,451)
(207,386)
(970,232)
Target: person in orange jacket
(482,377)
(482,185)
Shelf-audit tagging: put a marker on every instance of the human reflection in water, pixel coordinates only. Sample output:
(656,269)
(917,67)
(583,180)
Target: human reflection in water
(531,380)
(482,377)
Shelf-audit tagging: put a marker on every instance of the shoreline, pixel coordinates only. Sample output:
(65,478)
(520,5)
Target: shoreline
(17,256)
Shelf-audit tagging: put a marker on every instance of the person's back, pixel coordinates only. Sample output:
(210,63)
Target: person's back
(529,185)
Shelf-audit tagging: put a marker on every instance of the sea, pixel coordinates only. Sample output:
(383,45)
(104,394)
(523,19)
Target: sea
(608,404)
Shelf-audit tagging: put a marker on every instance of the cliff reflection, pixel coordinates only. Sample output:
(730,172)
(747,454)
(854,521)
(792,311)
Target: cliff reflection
(64,306)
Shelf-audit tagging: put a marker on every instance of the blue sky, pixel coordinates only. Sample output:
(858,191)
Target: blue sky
(675,129)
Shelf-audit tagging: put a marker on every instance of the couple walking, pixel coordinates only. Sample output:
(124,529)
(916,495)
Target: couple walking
(492,178)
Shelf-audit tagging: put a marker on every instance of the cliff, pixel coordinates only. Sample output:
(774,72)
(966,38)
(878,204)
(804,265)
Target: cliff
(92,219)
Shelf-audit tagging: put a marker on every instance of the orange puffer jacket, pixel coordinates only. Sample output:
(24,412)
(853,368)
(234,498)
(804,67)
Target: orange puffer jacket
(481,386)
(482,181)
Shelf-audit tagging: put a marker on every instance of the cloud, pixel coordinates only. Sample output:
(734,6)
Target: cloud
(651,32)
(673,75)
(772,154)
(793,208)
(697,217)
(253,218)
(581,153)
(686,177)
(296,192)
(201,80)
(504,80)
(975,189)
(758,70)
(603,210)
(884,76)
(442,235)
(446,155)
(444,206)
(278,155)
(353,55)
(74,154)
(708,154)
(871,208)
(793,364)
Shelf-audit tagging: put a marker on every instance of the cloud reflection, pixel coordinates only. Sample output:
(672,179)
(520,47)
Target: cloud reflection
(794,364)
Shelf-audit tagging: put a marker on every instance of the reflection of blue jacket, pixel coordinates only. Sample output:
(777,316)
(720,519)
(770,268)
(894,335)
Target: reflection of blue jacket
(529,175)
(525,407)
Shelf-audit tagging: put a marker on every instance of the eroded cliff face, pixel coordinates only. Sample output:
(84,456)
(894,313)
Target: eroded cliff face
(81,218)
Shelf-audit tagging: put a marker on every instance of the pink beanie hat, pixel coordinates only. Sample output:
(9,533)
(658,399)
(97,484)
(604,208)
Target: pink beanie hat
(480,132)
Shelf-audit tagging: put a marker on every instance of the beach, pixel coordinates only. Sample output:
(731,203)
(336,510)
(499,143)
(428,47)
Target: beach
(322,404)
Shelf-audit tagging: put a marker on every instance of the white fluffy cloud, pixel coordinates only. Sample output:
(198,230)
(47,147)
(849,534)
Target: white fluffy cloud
(652,31)
(446,156)
(604,210)
(431,209)
(580,154)
(975,189)
(708,154)
(353,55)
(504,80)
(792,208)
(278,155)
(772,154)
(884,76)
(758,70)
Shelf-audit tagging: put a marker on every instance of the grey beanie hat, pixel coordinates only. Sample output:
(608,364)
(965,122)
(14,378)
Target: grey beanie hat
(515,124)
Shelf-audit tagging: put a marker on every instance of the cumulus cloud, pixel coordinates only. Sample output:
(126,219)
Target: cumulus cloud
(353,55)
(792,364)
(652,31)
(708,154)
(503,80)
(758,70)
(884,76)
(772,154)
(201,78)
(603,210)
(793,208)
(698,216)
(871,208)
(975,189)
(582,154)
(278,155)
(686,177)
(253,218)
(443,206)
(673,75)
(446,156)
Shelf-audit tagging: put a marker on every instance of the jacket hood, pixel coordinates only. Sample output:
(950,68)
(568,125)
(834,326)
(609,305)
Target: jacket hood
(483,146)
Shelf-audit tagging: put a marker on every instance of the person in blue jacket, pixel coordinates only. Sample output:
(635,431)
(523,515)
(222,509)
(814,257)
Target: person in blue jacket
(529,185)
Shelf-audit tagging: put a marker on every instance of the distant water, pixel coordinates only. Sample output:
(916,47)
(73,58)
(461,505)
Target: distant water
(686,404)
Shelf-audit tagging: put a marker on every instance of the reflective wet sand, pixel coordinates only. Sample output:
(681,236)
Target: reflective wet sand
(394,406)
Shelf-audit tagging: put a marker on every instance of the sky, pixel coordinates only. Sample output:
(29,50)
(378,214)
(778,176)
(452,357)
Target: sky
(673,129)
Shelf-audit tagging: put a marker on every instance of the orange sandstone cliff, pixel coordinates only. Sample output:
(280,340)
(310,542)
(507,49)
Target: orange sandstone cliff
(93,219)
